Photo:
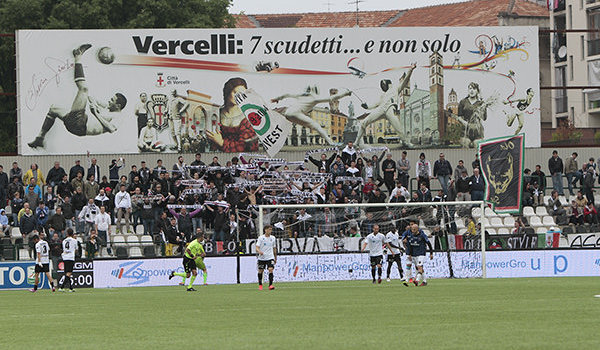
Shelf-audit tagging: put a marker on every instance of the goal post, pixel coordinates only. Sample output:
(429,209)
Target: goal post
(288,218)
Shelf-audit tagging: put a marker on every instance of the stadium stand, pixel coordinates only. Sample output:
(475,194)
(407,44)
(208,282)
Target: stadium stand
(238,186)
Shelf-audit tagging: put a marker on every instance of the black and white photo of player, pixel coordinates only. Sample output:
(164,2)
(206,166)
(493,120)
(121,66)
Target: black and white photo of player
(86,116)
(176,109)
(141,112)
(148,139)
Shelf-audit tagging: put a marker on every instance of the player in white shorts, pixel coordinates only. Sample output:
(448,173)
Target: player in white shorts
(418,241)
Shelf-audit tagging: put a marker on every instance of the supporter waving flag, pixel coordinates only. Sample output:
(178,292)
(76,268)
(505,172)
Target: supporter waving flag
(502,168)
(270,126)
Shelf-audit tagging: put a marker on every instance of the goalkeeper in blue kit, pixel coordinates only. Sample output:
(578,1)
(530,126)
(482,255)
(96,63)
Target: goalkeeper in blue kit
(418,241)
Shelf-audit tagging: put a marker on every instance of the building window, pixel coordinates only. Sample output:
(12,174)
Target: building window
(572,114)
(570,13)
(560,95)
(582,40)
(593,37)
(571,67)
(560,39)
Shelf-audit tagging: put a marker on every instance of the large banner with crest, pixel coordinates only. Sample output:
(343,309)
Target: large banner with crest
(171,90)
(502,167)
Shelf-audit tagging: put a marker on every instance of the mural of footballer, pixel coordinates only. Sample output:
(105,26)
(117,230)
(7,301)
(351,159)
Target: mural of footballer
(177,106)
(76,119)
(148,139)
(522,105)
(299,110)
(387,105)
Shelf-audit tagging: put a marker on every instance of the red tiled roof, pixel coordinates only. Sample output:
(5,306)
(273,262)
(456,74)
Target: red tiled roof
(242,21)
(468,13)
(323,19)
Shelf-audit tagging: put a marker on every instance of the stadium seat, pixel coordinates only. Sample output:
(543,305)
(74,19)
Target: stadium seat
(15,232)
(563,200)
(23,254)
(595,228)
(509,221)
(567,230)
(546,197)
(462,231)
(139,229)
(529,231)
(535,221)
(147,240)
(121,252)
(7,250)
(490,213)
(528,211)
(149,252)
(548,221)
(541,211)
(460,223)
(572,198)
(491,231)
(541,230)
(132,240)
(582,229)
(484,222)
(118,240)
(503,231)
(495,222)
(135,252)
(476,212)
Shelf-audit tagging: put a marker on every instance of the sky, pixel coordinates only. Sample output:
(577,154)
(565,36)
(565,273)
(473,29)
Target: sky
(299,6)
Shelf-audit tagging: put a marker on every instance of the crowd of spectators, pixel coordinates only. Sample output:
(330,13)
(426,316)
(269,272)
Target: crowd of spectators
(172,204)
(578,207)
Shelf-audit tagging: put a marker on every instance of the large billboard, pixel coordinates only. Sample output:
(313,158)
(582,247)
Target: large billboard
(166,90)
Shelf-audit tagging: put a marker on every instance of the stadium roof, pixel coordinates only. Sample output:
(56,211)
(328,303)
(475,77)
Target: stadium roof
(468,13)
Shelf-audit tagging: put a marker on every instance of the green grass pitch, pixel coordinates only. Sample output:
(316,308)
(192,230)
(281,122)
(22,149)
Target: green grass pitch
(541,313)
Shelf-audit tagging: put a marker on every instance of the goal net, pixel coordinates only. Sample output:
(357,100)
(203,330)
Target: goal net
(337,231)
